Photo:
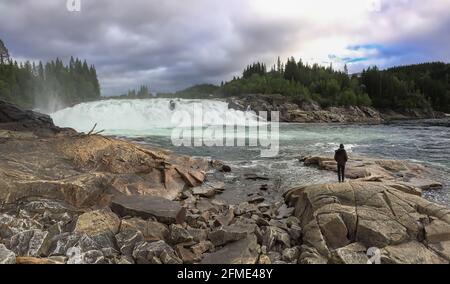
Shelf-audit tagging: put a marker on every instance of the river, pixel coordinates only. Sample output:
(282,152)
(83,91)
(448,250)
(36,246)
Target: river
(150,121)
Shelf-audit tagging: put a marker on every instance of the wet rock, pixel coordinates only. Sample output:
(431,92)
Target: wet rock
(178,234)
(127,240)
(253,176)
(31,243)
(244,251)
(154,253)
(225,169)
(25,119)
(264,187)
(230,233)
(97,222)
(151,230)
(6,256)
(165,211)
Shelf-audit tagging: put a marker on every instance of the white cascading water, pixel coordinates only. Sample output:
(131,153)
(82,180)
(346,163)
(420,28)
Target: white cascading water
(119,116)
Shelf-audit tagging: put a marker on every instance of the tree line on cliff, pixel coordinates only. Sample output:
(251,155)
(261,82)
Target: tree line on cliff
(41,85)
(422,86)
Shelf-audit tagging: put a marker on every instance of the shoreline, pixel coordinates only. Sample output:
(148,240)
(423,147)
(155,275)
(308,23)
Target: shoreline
(309,112)
(96,199)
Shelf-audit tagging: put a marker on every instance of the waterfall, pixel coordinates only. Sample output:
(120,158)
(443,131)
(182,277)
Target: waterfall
(140,115)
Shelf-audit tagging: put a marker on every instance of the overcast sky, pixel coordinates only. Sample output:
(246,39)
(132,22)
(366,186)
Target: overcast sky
(171,44)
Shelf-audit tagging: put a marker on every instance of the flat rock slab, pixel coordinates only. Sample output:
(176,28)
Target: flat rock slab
(244,251)
(165,211)
(410,175)
(404,227)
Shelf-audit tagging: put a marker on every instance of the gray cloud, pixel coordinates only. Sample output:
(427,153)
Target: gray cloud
(172,44)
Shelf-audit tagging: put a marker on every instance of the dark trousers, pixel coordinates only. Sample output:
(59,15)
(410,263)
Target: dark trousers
(341,172)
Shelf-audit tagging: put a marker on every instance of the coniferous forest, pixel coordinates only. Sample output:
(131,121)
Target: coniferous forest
(421,86)
(48,86)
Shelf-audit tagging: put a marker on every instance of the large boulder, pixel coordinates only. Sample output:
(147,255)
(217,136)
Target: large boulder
(372,214)
(410,253)
(231,233)
(245,251)
(12,117)
(97,222)
(151,230)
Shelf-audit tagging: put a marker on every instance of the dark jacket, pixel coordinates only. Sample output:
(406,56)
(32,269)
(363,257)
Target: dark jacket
(341,157)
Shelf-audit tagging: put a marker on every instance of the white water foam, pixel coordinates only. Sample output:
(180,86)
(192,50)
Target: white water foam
(140,115)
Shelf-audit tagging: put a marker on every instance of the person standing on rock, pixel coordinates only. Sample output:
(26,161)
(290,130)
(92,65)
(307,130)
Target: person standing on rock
(340,156)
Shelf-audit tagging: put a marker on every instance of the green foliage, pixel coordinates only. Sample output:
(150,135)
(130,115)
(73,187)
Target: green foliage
(31,85)
(202,91)
(142,93)
(255,68)
(408,87)
(298,82)
(421,86)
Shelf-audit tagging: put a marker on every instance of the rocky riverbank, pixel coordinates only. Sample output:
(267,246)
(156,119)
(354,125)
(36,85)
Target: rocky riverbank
(68,197)
(311,112)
